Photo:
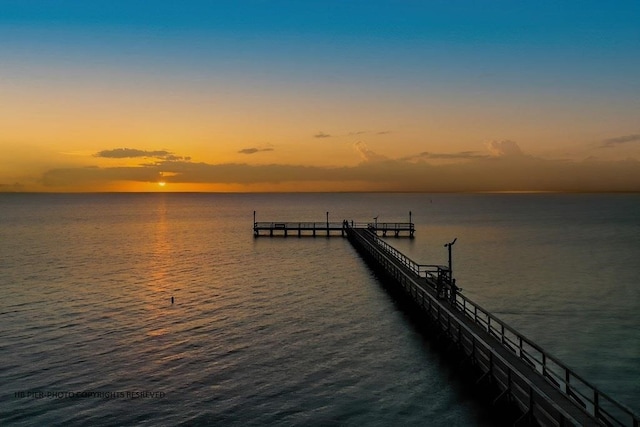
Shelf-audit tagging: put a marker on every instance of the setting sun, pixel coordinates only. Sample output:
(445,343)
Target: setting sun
(162,183)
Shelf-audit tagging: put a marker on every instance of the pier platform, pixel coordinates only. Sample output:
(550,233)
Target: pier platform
(284,228)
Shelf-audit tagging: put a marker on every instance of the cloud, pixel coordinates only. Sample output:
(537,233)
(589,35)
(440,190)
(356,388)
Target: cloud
(504,148)
(362,132)
(350,134)
(612,142)
(508,169)
(354,133)
(64,177)
(366,154)
(12,188)
(253,150)
(125,153)
(462,155)
(191,172)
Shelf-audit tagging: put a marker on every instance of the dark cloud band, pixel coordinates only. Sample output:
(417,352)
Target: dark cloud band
(254,150)
(612,142)
(132,153)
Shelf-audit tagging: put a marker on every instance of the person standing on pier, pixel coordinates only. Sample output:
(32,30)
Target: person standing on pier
(454,291)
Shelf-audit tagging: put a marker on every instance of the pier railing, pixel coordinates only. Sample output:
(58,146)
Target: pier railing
(286,227)
(297,225)
(391,226)
(428,271)
(594,401)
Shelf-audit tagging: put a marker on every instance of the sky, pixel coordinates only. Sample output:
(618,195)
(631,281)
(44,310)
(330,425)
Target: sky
(306,95)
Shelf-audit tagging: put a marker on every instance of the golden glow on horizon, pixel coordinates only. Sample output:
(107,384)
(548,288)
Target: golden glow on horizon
(243,141)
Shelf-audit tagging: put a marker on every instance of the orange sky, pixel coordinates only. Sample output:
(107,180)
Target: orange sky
(255,105)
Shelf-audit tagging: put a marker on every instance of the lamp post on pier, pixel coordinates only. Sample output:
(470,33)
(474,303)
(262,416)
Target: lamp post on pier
(411,228)
(255,225)
(327,224)
(448,246)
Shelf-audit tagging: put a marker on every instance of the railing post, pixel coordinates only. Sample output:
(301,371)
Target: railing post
(531,402)
(520,346)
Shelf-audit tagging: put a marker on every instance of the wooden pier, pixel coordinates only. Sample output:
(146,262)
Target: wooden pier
(514,368)
(545,391)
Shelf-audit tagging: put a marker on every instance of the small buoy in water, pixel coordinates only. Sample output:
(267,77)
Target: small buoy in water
(171,300)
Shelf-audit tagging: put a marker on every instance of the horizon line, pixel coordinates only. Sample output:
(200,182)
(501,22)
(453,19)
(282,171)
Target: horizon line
(337,192)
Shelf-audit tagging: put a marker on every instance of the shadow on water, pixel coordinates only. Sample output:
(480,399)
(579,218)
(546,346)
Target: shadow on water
(464,377)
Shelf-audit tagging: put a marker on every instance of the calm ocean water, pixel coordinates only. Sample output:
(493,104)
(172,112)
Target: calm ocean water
(293,331)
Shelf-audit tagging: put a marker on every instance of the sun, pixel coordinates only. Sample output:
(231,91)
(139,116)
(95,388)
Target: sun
(162,183)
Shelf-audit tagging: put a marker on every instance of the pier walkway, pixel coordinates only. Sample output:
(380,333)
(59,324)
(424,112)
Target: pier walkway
(546,391)
(517,370)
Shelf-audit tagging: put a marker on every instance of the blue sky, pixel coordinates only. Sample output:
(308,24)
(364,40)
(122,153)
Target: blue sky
(586,30)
